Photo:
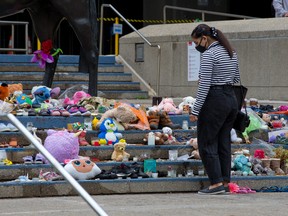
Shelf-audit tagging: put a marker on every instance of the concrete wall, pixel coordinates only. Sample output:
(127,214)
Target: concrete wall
(261,44)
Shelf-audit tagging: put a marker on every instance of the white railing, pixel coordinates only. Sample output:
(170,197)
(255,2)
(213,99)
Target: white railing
(203,12)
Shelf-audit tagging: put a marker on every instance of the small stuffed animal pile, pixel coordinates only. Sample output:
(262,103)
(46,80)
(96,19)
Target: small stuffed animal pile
(82,169)
(171,140)
(119,152)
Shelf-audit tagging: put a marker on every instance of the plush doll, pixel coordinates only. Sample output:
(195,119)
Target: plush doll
(267,119)
(234,137)
(171,140)
(40,95)
(241,163)
(79,95)
(4,91)
(167,105)
(108,131)
(119,152)
(62,145)
(187,101)
(82,168)
(257,167)
(122,114)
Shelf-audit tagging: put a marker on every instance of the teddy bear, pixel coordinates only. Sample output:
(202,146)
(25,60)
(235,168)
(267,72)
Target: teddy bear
(187,104)
(109,131)
(4,91)
(15,87)
(241,163)
(167,105)
(119,152)
(122,115)
(171,140)
(82,168)
(160,138)
(62,145)
(194,143)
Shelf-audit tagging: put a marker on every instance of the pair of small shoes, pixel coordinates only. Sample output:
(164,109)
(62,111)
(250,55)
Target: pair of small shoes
(106,175)
(38,159)
(8,128)
(58,112)
(28,159)
(4,145)
(212,191)
(49,176)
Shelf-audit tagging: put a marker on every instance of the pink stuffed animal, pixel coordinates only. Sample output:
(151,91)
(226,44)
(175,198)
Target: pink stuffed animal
(79,95)
(167,105)
(62,145)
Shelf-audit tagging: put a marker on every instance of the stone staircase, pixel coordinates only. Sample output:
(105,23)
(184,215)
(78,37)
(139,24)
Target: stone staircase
(10,188)
(113,82)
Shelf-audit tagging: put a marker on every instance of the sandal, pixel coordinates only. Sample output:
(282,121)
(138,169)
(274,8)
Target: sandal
(54,112)
(64,112)
(28,159)
(44,112)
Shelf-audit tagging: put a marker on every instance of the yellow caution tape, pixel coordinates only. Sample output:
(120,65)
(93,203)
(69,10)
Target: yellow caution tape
(151,21)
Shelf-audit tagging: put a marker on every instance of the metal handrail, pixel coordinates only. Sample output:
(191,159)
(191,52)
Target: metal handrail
(203,13)
(13,23)
(135,30)
(89,200)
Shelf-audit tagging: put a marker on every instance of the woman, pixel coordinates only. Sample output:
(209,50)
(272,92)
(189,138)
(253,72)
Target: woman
(215,108)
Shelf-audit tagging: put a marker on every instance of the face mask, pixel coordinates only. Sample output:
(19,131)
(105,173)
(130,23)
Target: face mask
(200,48)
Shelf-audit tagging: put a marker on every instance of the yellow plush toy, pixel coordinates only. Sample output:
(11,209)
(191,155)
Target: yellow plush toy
(119,152)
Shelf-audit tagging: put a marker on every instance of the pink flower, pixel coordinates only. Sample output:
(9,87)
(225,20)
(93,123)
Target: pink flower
(42,58)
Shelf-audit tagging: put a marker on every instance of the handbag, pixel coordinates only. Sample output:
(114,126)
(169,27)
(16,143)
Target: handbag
(242,119)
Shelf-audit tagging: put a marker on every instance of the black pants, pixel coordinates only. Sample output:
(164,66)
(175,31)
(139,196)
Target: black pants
(214,124)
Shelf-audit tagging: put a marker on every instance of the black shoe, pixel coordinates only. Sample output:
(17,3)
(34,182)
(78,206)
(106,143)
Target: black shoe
(106,175)
(213,191)
(227,189)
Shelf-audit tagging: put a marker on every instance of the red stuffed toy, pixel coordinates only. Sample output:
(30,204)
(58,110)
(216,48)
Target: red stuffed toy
(4,91)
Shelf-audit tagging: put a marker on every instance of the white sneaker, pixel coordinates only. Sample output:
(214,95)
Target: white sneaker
(4,128)
(12,127)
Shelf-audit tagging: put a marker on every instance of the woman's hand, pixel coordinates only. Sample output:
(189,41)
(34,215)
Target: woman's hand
(193,118)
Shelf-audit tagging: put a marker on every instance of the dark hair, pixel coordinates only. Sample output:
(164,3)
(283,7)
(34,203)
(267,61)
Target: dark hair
(203,29)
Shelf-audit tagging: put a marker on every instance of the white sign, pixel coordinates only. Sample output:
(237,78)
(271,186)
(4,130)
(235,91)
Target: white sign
(193,62)
(117,28)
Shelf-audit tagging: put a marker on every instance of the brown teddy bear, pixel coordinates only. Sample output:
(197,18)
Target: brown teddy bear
(160,138)
(15,87)
(119,152)
(194,143)
(122,114)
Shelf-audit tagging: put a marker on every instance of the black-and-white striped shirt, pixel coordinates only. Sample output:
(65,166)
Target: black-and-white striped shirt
(216,68)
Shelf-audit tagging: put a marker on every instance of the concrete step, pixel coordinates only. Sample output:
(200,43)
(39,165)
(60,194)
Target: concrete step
(15,189)
(66,76)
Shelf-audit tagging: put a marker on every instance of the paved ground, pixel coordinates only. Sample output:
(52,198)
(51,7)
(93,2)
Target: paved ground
(172,204)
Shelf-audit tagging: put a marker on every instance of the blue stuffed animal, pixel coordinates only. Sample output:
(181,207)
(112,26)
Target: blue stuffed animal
(108,131)
(40,95)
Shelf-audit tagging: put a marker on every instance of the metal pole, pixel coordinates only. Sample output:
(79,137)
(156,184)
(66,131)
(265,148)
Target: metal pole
(101,30)
(26,38)
(58,166)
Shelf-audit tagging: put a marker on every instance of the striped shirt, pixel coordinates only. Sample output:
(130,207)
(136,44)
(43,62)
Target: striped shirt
(216,68)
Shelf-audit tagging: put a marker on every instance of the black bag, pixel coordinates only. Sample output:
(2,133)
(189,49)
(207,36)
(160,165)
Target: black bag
(240,93)
(241,122)
(242,119)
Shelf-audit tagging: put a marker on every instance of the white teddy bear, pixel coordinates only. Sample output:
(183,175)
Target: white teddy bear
(187,101)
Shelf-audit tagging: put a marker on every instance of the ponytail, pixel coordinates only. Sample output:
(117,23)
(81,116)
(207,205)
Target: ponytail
(206,30)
